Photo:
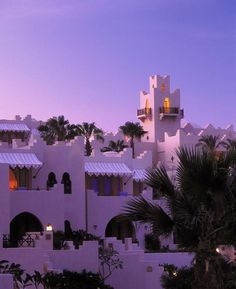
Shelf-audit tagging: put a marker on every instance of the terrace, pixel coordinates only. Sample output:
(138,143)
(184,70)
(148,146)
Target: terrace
(170,112)
(144,113)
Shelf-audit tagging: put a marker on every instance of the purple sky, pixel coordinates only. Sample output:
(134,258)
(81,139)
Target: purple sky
(88,59)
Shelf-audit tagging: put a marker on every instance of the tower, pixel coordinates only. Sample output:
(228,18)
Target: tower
(159,109)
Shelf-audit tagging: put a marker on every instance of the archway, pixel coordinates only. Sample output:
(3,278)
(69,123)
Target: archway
(22,223)
(120,229)
(167,105)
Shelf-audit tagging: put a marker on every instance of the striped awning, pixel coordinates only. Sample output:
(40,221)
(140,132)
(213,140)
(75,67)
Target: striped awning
(19,127)
(99,168)
(139,175)
(21,160)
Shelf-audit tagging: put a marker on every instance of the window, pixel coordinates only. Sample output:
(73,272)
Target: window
(20,178)
(51,180)
(67,183)
(12,180)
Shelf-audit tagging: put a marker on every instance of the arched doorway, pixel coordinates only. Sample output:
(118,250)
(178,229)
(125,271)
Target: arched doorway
(167,105)
(120,229)
(22,223)
(147,106)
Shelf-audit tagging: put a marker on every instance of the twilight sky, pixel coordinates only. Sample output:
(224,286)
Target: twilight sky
(88,59)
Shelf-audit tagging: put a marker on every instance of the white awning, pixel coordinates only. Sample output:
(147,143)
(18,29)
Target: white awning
(20,160)
(139,175)
(20,127)
(116,169)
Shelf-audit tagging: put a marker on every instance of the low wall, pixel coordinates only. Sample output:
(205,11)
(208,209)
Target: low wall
(179,259)
(76,260)
(6,281)
(32,259)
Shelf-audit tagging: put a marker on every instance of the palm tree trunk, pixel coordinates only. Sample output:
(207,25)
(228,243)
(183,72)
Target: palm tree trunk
(88,147)
(132,146)
(207,270)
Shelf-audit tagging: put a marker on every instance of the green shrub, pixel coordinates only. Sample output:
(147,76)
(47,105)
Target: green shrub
(177,278)
(73,280)
(77,237)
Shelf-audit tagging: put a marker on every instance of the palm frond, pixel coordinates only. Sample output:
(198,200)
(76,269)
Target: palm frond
(139,209)
(158,179)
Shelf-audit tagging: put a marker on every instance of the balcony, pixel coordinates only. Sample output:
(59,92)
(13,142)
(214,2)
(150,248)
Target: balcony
(144,113)
(170,112)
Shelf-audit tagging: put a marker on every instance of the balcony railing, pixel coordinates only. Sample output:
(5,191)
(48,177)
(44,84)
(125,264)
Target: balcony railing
(170,111)
(144,112)
(25,241)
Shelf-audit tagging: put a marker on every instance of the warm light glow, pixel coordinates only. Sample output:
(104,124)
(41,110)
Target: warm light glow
(49,228)
(217,250)
(175,273)
(167,104)
(12,180)
(147,105)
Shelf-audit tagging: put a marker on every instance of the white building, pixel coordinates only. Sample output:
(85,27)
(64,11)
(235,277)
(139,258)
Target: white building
(56,184)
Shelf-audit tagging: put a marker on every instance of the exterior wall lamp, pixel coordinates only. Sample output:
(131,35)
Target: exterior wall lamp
(49,228)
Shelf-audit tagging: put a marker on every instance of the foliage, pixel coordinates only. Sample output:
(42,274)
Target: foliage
(132,131)
(115,146)
(183,278)
(229,144)
(152,242)
(36,279)
(178,278)
(52,280)
(73,280)
(200,208)
(57,129)
(109,258)
(109,261)
(89,130)
(209,143)
(15,270)
(77,237)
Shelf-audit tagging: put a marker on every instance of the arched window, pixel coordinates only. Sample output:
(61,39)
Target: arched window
(67,183)
(51,180)
(67,229)
(167,105)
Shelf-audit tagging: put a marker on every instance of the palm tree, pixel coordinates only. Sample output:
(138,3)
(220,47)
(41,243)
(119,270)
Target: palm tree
(132,131)
(229,144)
(57,129)
(89,130)
(115,146)
(200,208)
(209,143)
